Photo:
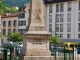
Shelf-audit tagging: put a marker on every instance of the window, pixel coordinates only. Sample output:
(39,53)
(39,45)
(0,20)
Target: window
(57,17)
(9,31)
(9,23)
(4,31)
(14,23)
(61,17)
(79,16)
(61,35)
(2,41)
(57,27)
(61,27)
(57,7)
(50,9)
(21,15)
(79,5)
(22,31)
(61,7)
(50,27)
(69,27)
(22,23)
(68,35)
(78,27)
(78,35)
(69,17)
(50,18)
(4,23)
(14,30)
(69,6)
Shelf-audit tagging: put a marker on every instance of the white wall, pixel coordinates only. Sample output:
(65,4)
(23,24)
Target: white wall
(74,20)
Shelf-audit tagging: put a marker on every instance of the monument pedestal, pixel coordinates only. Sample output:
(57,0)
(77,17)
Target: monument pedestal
(36,46)
(38,58)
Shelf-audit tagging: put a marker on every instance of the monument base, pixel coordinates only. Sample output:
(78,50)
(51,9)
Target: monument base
(38,53)
(38,57)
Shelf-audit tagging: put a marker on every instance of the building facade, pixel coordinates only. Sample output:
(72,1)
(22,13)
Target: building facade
(63,17)
(22,22)
(9,23)
(27,16)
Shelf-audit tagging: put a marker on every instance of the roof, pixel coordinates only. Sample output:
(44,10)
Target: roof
(55,1)
(70,40)
(9,15)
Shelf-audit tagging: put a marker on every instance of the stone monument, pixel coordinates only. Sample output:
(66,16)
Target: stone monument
(36,40)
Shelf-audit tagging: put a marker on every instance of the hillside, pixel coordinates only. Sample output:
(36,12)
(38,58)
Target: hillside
(16,2)
(5,9)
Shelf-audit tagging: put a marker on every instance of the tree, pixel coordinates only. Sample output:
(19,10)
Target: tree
(6,9)
(20,9)
(54,39)
(0,34)
(14,37)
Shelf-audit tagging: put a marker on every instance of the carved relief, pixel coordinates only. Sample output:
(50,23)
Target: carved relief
(37,11)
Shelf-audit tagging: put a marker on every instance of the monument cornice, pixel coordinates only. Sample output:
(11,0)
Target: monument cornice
(37,36)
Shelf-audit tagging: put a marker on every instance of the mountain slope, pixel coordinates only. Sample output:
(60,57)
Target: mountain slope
(16,2)
(5,9)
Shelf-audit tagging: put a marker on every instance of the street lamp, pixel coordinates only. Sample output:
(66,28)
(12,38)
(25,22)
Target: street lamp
(55,34)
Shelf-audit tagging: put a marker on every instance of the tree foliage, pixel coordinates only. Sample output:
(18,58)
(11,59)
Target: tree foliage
(0,34)
(5,9)
(14,37)
(20,9)
(54,39)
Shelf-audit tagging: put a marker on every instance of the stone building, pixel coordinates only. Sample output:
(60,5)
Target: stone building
(9,23)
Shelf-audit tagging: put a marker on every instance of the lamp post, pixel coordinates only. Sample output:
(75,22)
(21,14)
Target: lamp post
(55,35)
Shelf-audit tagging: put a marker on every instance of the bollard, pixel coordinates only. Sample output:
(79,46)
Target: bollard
(64,53)
(4,54)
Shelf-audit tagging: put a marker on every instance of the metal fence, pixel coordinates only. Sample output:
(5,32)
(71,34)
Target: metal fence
(7,52)
(65,53)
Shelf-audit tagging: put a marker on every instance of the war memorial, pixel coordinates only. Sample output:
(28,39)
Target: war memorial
(36,40)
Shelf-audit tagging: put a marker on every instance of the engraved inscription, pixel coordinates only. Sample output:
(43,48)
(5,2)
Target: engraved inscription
(38,41)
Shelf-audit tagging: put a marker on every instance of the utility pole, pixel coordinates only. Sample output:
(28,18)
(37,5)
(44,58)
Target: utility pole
(55,35)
